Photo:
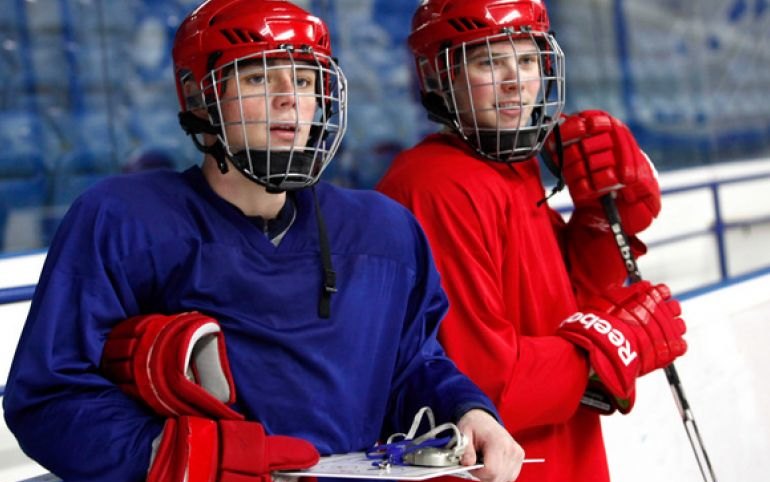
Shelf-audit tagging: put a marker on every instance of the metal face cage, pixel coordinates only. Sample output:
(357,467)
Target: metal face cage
(280,114)
(504,93)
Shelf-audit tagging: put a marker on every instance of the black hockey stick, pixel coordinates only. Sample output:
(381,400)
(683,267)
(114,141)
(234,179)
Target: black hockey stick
(624,246)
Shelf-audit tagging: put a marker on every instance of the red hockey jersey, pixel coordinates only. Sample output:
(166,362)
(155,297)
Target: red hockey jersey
(504,264)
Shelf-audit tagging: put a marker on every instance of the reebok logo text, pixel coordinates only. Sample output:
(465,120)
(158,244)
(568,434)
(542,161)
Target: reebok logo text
(590,321)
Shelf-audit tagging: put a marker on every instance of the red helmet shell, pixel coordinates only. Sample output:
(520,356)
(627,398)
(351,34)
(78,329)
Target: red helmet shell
(441,24)
(221,31)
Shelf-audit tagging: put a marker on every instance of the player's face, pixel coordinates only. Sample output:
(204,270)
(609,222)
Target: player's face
(498,84)
(276,105)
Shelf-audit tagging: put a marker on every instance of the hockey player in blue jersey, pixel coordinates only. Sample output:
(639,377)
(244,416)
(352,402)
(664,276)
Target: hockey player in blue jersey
(233,319)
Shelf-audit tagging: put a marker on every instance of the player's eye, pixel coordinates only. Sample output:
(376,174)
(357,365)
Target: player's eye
(484,61)
(528,60)
(305,79)
(254,79)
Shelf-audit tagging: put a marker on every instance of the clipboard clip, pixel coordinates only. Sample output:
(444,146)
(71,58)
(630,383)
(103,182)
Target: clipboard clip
(434,448)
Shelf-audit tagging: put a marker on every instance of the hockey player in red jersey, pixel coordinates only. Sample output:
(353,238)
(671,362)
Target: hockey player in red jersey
(540,314)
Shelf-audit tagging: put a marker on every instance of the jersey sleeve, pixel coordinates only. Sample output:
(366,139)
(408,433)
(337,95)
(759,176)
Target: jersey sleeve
(532,380)
(63,412)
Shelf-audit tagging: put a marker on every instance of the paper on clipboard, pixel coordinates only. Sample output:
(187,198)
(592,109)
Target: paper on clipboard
(355,465)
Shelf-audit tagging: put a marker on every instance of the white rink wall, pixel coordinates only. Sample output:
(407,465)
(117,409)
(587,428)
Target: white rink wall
(725,379)
(15,271)
(724,373)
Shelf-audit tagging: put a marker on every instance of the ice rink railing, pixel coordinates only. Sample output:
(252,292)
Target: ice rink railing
(16,294)
(718,229)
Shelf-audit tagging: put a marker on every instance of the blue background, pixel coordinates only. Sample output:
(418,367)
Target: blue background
(87,89)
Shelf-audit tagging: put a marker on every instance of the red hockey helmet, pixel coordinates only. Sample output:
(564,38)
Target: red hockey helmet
(220,36)
(444,30)
(221,31)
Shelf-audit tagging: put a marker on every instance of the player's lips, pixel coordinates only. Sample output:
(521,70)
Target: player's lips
(283,131)
(510,110)
(513,106)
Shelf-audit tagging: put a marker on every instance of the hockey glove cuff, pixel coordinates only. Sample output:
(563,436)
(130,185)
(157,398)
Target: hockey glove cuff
(176,364)
(601,156)
(194,449)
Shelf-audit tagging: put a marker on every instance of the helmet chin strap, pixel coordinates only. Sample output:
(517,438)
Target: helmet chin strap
(194,125)
(437,111)
(554,165)
(487,141)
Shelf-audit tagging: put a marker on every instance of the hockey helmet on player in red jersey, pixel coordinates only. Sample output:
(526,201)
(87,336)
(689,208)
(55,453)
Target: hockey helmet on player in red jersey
(235,56)
(516,61)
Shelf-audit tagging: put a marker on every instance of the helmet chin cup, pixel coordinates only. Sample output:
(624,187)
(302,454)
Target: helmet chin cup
(278,171)
(508,146)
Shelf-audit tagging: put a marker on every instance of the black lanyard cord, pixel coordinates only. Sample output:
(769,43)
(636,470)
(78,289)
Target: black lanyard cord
(329,276)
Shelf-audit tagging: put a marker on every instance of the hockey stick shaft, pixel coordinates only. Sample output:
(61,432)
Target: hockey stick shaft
(624,246)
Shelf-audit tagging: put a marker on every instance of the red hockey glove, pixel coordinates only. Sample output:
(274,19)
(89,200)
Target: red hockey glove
(601,156)
(176,364)
(591,250)
(194,449)
(628,332)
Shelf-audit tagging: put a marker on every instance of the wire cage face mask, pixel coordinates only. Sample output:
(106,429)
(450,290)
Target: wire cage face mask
(280,114)
(504,93)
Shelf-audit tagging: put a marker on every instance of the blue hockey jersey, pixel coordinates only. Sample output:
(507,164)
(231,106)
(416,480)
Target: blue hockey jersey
(164,242)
